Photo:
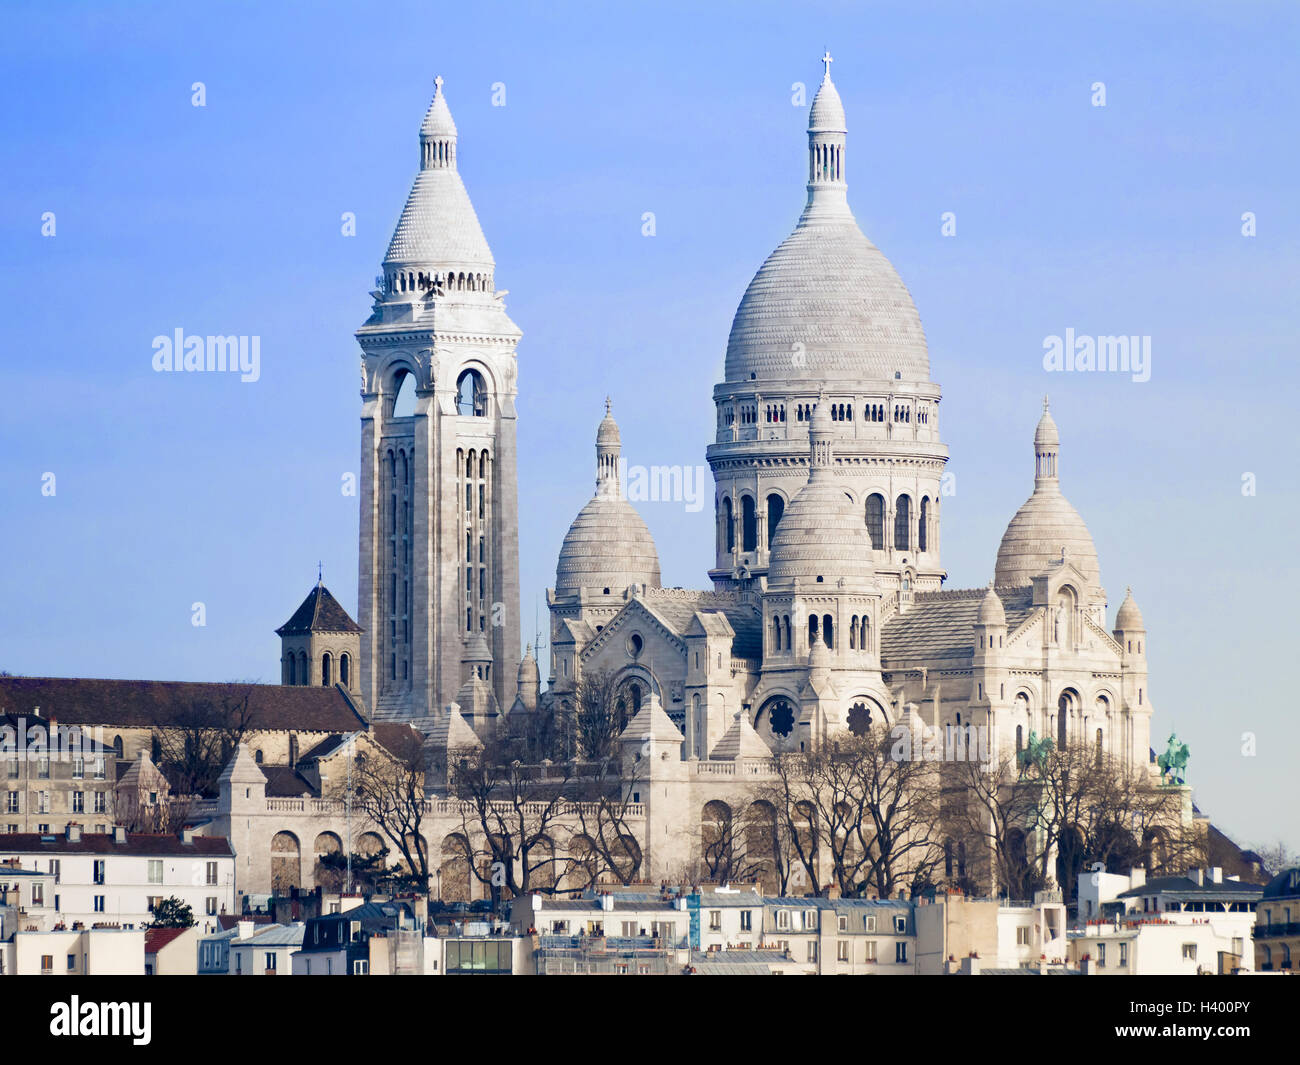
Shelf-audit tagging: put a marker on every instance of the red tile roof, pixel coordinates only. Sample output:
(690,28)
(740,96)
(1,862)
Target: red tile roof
(156,703)
(137,843)
(157,938)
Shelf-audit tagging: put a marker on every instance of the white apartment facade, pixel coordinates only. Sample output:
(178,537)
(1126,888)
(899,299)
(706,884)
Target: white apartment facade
(118,877)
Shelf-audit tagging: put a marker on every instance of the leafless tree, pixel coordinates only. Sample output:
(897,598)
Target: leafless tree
(197,741)
(517,822)
(596,720)
(870,813)
(388,789)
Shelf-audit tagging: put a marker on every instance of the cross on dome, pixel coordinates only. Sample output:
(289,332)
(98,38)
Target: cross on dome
(828,61)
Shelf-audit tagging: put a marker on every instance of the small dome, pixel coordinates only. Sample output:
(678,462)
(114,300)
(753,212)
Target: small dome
(1046,434)
(1129,617)
(607,546)
(607,432)
(991,611)
(827,113)
(1044,526)
(528,671)
(821,534)
(821,418)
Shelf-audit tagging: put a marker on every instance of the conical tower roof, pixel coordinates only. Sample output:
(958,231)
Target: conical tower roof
(439,230)
(740,741)
(651,723)
(319,612)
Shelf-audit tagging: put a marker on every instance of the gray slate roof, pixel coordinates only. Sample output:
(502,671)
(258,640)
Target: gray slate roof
(940,625)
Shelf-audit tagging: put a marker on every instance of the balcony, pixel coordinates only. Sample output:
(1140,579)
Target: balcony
(1276,931)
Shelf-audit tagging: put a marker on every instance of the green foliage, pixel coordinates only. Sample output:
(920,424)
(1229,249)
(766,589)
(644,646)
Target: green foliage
(171,912)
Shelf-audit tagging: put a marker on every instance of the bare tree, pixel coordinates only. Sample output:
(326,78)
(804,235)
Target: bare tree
(1074,803)
(596,720)
(516,821)
(388,788)
(194,746)
(870,813)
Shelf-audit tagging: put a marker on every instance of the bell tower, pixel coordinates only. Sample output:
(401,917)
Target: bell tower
(439,540)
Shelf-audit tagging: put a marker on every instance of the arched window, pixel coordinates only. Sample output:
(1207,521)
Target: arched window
(1020,737)
(853,633)
(117,746)
(828,632)
(748,524)
(902,524)
(775,510)
(345,670)
(729,522)
(404,399)
(304,676)
(326,670)
(1063,707)
(1099,748)
(812,628)
(291,670)
(471,394)
(876,521)
(922,531)
(257,756)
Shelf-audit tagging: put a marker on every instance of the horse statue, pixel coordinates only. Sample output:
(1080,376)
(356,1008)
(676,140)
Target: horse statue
(1034,754)
(1173,762)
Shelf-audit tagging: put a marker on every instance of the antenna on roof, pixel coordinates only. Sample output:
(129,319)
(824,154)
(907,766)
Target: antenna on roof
(320,572)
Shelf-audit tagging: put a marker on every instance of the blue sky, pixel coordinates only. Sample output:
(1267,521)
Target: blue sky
(172,489)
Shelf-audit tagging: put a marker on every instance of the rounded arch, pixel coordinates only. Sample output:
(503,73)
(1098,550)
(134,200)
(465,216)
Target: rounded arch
(286,862)
(748,522)
(584,865)
(716,843)
(776,721)
(775,512)
(326,872)
(864,714)
(762,844)
(369,844)
(875,518)
(471,394)
(326,669)
(345,670)
(454,868)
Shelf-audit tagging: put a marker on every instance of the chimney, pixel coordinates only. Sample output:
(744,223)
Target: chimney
(1197,876)
(74,832)
(1216,874)
(119,834)
(1137,877)
(607,902)
(187,835)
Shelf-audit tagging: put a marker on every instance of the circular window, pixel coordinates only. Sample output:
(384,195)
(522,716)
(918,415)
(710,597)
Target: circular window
(635,644)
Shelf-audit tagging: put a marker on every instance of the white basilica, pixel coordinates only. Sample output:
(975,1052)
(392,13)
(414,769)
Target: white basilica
(827,610)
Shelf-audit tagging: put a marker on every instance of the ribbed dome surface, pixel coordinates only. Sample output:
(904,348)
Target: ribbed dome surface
(991,611)
(821,534)
(827,114)
(1044,525)
(438,226)
(607,546)
(829,289)
(1129,616)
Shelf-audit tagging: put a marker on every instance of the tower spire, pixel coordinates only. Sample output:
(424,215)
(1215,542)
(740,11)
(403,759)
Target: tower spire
(609,446)
(827,133)
(438,133)
(1047,448)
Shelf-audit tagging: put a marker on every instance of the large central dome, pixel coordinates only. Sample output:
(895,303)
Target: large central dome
(827,304)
